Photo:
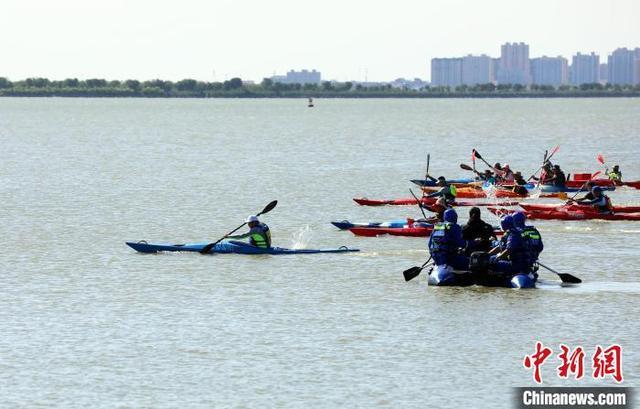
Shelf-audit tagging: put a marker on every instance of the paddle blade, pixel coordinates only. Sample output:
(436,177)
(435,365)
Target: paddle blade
(600,159)
(412,273)
(465,167)
(476,154)
(596,174)
(269,207)
(556,149)
(569,279)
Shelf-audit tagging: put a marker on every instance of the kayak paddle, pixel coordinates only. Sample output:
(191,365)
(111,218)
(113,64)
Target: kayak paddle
(466,167)
(566,278)
(428,160)
(414,272)
(473,159)
(477,155)
(601,160)
(544,160)
(553,152)
(419,203)
(206,249)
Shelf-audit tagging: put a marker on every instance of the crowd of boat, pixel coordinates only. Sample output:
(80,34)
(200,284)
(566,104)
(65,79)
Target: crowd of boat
(496,257)
(476,253)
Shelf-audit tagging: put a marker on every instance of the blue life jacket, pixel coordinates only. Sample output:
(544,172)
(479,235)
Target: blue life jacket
(444,242)
(534,241)
(519,249)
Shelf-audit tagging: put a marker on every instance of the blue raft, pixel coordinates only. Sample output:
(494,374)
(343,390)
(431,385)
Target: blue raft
(228,247)
(444,276)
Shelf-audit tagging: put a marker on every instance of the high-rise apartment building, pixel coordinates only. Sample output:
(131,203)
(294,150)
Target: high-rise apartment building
(604,72)
(514,64)
(477,70)
(549,71)
(299,77)
(446,72)
(623,66)
(585,69)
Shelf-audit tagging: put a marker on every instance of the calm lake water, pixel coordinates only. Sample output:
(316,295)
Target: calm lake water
(87,322)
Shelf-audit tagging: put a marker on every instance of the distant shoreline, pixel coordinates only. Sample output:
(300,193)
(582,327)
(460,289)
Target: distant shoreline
(236,88)
(368,95)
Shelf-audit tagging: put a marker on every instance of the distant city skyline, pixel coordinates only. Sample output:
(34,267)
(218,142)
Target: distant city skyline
(353,40)
(515,66)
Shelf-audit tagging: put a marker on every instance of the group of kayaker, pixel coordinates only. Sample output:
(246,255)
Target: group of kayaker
(515,253)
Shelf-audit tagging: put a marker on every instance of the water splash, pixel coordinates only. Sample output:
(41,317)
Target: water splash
(301,238)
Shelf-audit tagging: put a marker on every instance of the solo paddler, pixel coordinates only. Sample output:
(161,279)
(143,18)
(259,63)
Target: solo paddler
(448,192)
(259,234)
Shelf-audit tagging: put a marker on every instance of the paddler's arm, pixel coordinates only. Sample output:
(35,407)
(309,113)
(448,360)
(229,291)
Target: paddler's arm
(504,254)
(439,193)
(494,250)
(239,236)
(594,202)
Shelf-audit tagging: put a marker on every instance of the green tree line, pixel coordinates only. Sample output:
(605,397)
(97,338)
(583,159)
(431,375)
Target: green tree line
(236,88)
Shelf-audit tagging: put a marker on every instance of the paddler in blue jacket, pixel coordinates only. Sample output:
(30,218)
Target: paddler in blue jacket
(259,234)
(531,235)
(511,256)
(446,243)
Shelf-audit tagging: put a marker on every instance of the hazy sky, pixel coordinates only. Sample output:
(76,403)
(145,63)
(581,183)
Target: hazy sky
(219,39)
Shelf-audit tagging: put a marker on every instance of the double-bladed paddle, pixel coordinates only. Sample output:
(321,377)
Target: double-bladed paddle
(419,203)
(545,160)
(600,159)
(428,160)
(566,278)
(414,272)
(477,155)
(206,249)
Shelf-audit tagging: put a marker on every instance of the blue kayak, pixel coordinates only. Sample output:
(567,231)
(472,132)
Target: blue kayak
(556,189)
(429,182)
(443,276)
(228,247)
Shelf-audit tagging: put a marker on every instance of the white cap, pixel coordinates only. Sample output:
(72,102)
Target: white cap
(251,219)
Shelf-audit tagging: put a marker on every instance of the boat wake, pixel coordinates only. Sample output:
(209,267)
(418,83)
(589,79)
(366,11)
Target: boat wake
(301,238)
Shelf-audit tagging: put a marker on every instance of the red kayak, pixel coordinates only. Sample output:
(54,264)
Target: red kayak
(402,231)
(581,178)
(575,207)
(580,215)
(408,201)
(635,185)
(568,215)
